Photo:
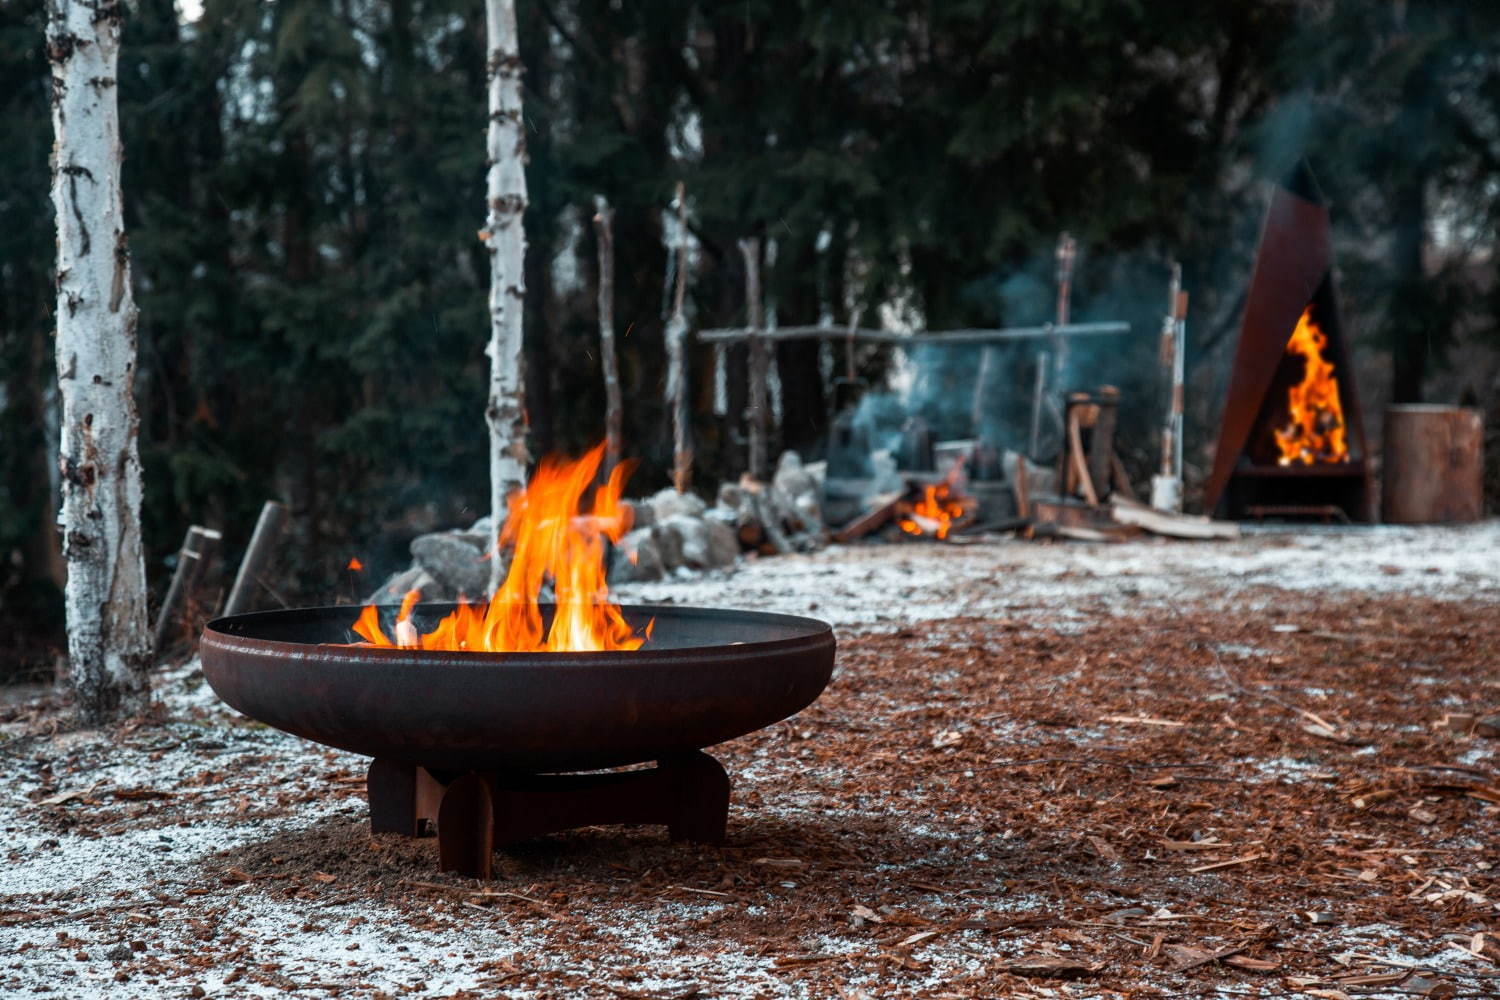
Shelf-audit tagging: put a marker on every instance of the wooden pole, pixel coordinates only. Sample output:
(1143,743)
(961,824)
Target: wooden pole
(1067,251)
(1167,362)
(1179,360)
(677,381)
(854,332)
(756,409)
(199,546)
(604,230)
(257,557)
(1038,396)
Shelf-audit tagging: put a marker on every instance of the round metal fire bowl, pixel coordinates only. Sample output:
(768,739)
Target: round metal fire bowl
(706,676)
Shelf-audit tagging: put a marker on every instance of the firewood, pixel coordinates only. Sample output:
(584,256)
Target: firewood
(877,516)
(1172,525)
(257,557)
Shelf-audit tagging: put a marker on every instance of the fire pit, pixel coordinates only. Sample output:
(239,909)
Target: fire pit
(486,746)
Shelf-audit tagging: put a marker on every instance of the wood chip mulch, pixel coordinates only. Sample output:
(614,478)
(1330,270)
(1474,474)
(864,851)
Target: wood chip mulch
(1300,796)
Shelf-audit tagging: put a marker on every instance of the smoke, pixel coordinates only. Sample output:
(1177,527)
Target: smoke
(965,391)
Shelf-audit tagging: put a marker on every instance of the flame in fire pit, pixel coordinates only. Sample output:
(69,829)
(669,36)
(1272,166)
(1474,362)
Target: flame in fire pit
(1314,432)
(941,505)
(550,538)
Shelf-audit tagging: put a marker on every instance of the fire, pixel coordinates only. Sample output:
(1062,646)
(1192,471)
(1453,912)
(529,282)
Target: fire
(354,565)
(1315,429)
(551,538)
(941,505)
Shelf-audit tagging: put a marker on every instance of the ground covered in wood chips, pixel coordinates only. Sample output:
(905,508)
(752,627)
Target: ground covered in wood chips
(1145,770)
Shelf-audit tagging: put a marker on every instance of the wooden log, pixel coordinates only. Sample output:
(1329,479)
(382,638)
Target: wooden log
(1023,490)
(1102,441)
(199,546)
(1434,465)
(872,520)
(257,557)
(1160,522)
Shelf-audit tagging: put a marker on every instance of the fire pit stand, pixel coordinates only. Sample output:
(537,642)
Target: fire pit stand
(475,812)
(491,749)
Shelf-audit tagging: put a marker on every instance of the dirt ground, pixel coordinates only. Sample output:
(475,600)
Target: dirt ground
(1144,770)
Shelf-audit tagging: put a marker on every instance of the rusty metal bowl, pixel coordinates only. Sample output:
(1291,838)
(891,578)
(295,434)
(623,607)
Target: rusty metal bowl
(706,676)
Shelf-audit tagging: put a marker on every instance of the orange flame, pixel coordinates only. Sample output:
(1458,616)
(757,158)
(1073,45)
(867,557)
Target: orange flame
(355,566)
(1315,429)
(941,505)
(549,540)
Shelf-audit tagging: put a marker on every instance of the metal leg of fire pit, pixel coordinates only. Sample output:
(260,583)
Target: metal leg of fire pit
(401,797)
(700,797)
(466,828)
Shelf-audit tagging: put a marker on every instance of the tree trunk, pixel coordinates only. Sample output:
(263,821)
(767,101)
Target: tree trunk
(604,229)
(755,411)
(676,336)
(505,238)
(109,645)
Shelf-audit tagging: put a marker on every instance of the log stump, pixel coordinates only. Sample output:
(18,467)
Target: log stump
(1434,465)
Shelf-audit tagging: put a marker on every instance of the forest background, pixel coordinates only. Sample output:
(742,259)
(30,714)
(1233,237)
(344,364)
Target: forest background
(304,185)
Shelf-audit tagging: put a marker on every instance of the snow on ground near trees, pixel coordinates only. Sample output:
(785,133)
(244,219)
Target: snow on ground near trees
(884,586)
(251,875)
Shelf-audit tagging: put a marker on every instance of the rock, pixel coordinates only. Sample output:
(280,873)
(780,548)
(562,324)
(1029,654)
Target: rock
(643,515)
(481,527)
(668,544)
(693,533)
(396,585)
(669,503)
(723,543)
(792,479)
(737,507)
(453,561)
(636,558)
(416,578)
(476,539)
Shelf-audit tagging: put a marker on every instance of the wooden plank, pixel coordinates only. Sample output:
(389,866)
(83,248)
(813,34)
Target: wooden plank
(1160,522)
(872,520)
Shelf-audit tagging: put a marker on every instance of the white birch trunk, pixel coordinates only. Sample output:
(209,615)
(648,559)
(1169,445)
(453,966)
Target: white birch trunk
(109,645)
(676,336)
(613,408)
(505,237)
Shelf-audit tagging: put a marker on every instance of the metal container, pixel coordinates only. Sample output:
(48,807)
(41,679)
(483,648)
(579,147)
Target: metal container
(705,676)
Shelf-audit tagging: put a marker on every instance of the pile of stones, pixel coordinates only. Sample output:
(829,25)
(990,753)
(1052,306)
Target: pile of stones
(671,534)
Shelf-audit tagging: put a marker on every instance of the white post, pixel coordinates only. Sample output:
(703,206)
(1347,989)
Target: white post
(109,644)
(505,237)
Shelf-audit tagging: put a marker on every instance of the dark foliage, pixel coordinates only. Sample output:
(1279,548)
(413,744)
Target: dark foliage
(304,185)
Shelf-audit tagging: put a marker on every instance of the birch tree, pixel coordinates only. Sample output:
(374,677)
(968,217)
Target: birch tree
(505,237)
(613,408)
(108,641)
